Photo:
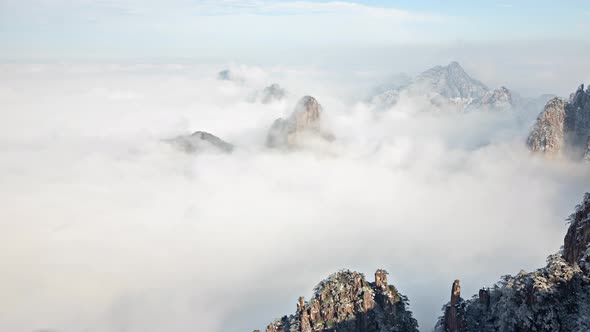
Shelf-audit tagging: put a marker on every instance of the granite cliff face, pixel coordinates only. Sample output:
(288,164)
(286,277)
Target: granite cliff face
(201,141)
(346,302)
(547,134)
(304,122)
(553,298)
(564,127)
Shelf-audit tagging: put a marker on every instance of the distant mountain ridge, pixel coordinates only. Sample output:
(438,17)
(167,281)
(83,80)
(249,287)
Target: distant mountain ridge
(451,87)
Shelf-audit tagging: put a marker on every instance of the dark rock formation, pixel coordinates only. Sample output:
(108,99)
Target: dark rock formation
(305,121)
(225,75)
(563,127)
(201,141)
(577,119)
(454,313)
(346,302)
(577,239)
(553,298)
(272,93)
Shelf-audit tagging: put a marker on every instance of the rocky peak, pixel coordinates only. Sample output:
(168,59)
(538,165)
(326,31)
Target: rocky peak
(444,86)
(577,118)
(201,141)
(451,81)
(577,239)
(547,134)
(346,302)
(304,121)
(564,126)
(454,315)
(381,279)
(552,298)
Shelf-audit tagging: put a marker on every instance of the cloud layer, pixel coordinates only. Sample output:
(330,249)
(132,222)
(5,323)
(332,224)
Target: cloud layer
(107,228)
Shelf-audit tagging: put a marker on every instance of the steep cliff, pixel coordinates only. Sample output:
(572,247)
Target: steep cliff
(547,134)
(563,127)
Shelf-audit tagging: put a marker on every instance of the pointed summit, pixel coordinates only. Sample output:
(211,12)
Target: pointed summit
(347,302)
(304,121)
(452,82)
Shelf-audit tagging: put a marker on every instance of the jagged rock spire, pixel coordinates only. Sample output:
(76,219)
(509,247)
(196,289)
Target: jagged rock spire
(454,317)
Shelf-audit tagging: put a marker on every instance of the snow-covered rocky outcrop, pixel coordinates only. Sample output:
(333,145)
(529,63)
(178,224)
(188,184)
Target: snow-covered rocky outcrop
(553,298)
(347,302)
(563,127)
(500,99)
(451,88)
(444,86)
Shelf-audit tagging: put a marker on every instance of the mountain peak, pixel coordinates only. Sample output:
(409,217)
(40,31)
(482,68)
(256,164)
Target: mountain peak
(347,302)
(452,82)
(454,65)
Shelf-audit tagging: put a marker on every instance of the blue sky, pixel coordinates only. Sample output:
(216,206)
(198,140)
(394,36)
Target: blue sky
(127,28)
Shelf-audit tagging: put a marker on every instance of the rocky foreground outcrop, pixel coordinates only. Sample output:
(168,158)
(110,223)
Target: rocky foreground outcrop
(304,123)
(346,302)
(201,141)
(564,127)
(553,298)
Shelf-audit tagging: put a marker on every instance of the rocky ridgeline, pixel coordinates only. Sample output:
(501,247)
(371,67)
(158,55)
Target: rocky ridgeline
(500,99)
(450,87)
(553,298)
(304,123)
(564,127)
(346,302)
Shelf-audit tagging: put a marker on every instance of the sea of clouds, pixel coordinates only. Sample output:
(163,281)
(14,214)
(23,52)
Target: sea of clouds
(105,227)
